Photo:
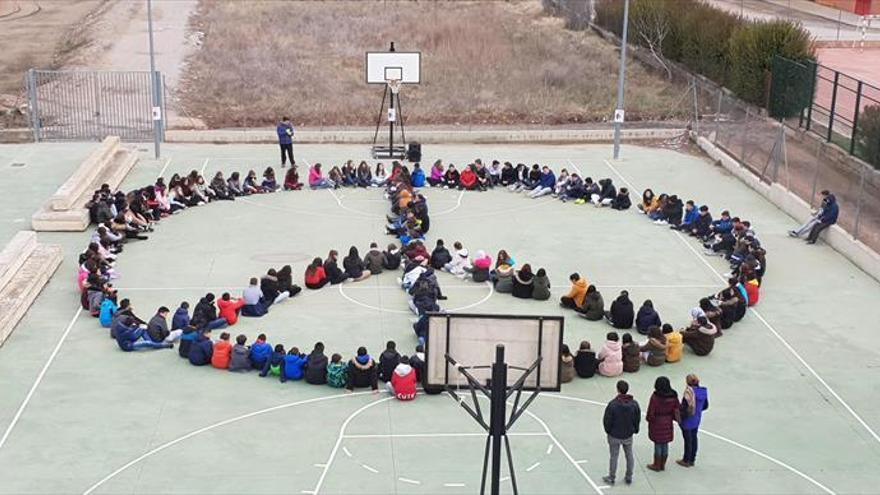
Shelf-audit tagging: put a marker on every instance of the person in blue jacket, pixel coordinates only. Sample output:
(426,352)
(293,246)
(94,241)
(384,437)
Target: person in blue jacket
(694,401)
(285,140)
(108,309)
(181,317)
(691,212)
(202,349)
(417,178)
(260,352)
(723,225)
(546,183)
(274,363)
(828,217)
(293,365)
(130,337)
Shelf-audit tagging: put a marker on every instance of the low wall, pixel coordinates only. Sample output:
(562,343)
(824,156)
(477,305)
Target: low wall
(440,136)
(855,251)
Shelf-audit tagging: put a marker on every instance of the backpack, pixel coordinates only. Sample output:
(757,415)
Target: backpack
(336,375)
(275,369)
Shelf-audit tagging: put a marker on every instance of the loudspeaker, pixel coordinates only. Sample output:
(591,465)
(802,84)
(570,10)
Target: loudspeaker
(414,152)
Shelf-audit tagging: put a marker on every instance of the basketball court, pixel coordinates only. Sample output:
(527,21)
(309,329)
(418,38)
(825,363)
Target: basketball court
(792,389)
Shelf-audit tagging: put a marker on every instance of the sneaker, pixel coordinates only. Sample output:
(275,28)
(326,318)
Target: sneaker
(660,222)
(442,298)
(608,479)
(580,201)
(628,481)
(792,233)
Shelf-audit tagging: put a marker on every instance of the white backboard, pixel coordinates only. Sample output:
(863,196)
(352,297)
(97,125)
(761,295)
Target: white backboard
(382,66)
(471,339)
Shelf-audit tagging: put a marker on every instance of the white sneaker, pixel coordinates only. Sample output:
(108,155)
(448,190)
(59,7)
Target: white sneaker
(660,222)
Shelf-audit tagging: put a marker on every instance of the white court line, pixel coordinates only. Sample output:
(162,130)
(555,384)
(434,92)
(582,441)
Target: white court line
(549,449)
(454,485)
(411,482)
(167,162)
(504,478)
(395,287)
(575,167)
(438,435)
(225,422)
(368,468)
(339,439)
(776,334)
(582,461)
(532,467)
(400,311)
(39,379)
(451,209)
(345,451)
(204,166)
(319,465)
(291,210)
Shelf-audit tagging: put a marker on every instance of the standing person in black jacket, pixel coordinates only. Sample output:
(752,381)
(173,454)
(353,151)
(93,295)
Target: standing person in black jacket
(621,422)
(316,366)
(621,314)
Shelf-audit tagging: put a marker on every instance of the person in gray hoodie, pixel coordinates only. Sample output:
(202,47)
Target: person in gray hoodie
(504,279)
(240,359)
(541,286)
(316,365)
(373,259)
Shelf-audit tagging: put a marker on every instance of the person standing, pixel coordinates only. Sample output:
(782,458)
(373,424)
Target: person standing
(695,400)
(621,422)
(663,409)
(285,140)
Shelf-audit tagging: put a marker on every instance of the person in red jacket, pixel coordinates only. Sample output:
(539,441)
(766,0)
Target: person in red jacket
(222,352)
(753,290)
(663,409)
(229,308)
(468,179)
(403,381)
(316,278)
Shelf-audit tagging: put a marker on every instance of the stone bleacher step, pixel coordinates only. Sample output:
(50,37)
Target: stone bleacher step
(14,255)
(26,284)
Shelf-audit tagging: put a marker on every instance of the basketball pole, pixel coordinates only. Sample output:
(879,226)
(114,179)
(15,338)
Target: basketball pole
(390,113)
(154,86)
(498,417)
(621,80)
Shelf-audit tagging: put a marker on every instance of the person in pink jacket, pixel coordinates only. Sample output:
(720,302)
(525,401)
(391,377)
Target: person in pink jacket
(482,265)
(610,357)
(317,180)
(436,177)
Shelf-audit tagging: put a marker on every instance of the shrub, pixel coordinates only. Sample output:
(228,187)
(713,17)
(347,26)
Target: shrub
(869,135)
(751,50)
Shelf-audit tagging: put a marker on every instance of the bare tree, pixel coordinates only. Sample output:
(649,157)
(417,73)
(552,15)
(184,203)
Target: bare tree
(651,22)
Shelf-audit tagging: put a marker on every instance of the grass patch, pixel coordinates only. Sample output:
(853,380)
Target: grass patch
(482,62)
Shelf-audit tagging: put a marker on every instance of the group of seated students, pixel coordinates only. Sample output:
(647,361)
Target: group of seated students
(121,217)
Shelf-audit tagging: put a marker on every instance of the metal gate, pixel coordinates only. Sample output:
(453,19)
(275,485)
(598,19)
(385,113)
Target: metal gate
(86,105)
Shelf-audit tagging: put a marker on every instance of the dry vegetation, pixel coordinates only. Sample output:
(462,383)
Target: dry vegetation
(482,62)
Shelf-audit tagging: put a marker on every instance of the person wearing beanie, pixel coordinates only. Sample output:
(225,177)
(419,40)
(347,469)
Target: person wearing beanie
(362,372)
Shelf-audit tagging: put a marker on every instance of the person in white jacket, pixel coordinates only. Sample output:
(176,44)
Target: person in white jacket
(460,264)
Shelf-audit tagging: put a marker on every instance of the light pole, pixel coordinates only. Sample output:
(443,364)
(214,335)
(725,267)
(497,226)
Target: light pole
(621,80)
(154,85)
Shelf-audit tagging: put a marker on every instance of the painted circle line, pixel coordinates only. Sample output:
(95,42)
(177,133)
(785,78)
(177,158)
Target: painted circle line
(400,311)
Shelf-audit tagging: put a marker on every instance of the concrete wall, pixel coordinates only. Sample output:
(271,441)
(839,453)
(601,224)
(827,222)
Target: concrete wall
(860,254)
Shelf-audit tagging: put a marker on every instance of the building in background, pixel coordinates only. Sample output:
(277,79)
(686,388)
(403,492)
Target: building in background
(859,7)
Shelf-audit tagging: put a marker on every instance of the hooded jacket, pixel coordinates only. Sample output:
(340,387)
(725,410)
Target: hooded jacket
(440,257)
(373,261)
(622,312)
(622,417)
(702,341)
(830,210)
(108,309)
(541,288)
(292,367)
(388,360)
(240,359)
(316,368)
(260,352)
(403,381)
(522,285)
(566,365)
(647,318)
(157,328)
(125,335)
(354,266)
(661,413)
(460,263)
(578,292)
(204,313)
(229,309)
(585,363)
(656,350)
(621,202)
(504,279)
(690,216)
(632,357)
(468,178)
(547,180)
(180,319)
(695,400)
(594,307)
(222,354)
(417,179)
(674,346)
(611,359)
(201,351)
(362,375)
(337,374)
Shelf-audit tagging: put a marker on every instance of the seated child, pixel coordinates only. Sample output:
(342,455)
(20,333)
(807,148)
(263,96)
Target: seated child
(566,364)
(273,364)
(362,372)
(388,360)
(440,256)
(481,266)
(337,372)
(403,381)
(260,352)
(293,365)
(291,179)
(240,358)
(202,349)
(610,356)
(585,361)
(315,276)
(222,352)
(674,344)
(541,286)
(391,257)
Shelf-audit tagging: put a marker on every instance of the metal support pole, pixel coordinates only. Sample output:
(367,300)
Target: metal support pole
(855,129)
(813,75)
(696,107)
(718,114)
(833,104)
(621,80)
(154,86)
(745,130)
(497,420)
(859,203)
(839,18)
(391,127)
(816,175)
(33,109)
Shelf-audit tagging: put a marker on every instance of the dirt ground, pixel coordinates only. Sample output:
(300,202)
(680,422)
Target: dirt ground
(482,62)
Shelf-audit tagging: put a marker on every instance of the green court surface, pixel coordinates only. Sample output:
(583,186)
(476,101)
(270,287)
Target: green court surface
(794,388)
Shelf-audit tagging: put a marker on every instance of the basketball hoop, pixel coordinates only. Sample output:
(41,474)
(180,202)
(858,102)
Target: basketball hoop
(394,85)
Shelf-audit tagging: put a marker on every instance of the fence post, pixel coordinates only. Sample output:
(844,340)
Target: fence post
(696,107)
(814,76)
(32,104)
(833,104)
(855,129)
(859,203)
(742,155)
(718,114)
(816,175)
